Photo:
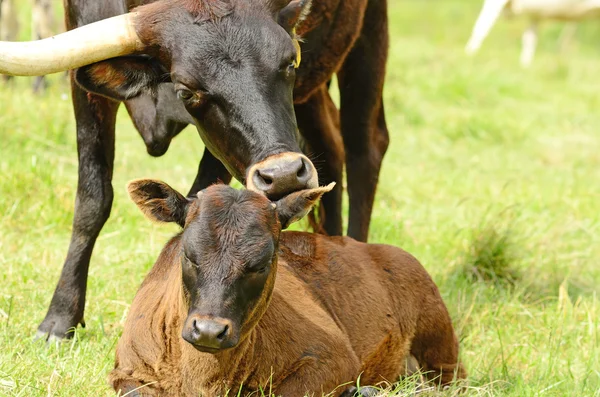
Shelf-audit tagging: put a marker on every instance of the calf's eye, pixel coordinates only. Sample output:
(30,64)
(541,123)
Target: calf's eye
(258,269)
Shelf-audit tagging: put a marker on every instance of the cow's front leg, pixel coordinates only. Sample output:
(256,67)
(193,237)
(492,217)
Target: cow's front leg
(95,117)
(210,171)
(319,124)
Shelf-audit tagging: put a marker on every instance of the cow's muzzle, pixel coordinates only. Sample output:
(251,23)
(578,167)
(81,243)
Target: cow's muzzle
(282,174)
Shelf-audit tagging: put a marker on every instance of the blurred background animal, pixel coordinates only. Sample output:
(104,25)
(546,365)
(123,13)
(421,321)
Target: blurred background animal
(536,11)
(43,25)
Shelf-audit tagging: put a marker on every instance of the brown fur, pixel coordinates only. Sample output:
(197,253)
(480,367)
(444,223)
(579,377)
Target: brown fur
(330,32)
(338,308)
(151,14)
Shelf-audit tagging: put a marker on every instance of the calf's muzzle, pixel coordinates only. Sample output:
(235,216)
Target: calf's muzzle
(281,174)
(208,334)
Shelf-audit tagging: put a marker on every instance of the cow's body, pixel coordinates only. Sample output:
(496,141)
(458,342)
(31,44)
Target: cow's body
(535,11)
(339,309)
(43,24)
(355,51)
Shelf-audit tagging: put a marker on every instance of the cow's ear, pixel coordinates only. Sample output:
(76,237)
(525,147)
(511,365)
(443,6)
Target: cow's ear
(294,13)
(295,206)
(122,78)
(159,201)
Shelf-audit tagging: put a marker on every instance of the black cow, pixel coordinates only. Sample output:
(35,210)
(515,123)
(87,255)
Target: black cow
(231,65)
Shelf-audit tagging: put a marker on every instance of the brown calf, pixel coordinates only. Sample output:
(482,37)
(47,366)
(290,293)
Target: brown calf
(235,305)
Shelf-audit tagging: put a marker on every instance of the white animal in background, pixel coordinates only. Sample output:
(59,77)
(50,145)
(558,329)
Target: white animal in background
(535,10)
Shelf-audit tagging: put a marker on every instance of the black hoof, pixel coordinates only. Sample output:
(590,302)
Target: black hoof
(365,391)
(57,328)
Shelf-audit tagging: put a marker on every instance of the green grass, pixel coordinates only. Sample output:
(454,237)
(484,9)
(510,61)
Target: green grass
(491,169)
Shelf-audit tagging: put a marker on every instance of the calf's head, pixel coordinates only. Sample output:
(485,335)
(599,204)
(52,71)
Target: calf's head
(230,65)
(228,256)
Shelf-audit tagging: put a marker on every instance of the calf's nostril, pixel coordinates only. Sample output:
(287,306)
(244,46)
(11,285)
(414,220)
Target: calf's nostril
(223,334)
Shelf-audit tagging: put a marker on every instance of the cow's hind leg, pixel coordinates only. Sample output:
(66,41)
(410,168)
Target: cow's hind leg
(95,144)
(318,121)
(362,116)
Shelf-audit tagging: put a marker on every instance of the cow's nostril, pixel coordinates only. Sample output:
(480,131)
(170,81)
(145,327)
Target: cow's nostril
(266,179)
(303,171)
(282,175)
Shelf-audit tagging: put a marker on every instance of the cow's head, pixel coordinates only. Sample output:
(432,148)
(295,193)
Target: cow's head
(229,63)
(228,253)
(159,118)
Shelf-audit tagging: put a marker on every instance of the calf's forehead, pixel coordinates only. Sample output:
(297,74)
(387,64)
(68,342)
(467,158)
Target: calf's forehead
(239,225)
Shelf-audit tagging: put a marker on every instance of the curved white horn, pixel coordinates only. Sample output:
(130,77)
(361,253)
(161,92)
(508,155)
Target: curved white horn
(91,43)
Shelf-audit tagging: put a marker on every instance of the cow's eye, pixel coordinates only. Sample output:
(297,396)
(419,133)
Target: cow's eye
(288,66)
(294,62)
(185,94)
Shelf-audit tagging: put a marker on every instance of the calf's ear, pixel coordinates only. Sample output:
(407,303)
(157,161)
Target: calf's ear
(159,201)
(122,78)
(294,13)
(295,206)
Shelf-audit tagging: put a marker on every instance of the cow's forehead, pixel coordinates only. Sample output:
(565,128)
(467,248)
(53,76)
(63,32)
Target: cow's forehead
(239,35)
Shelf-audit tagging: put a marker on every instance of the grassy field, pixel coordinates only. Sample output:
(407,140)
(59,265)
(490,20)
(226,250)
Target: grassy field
(492,180)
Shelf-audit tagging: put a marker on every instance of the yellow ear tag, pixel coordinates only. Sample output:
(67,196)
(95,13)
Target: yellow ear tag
(298,49)
(298,53)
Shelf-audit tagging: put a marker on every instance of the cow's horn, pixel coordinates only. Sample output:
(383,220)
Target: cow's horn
(91,43)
